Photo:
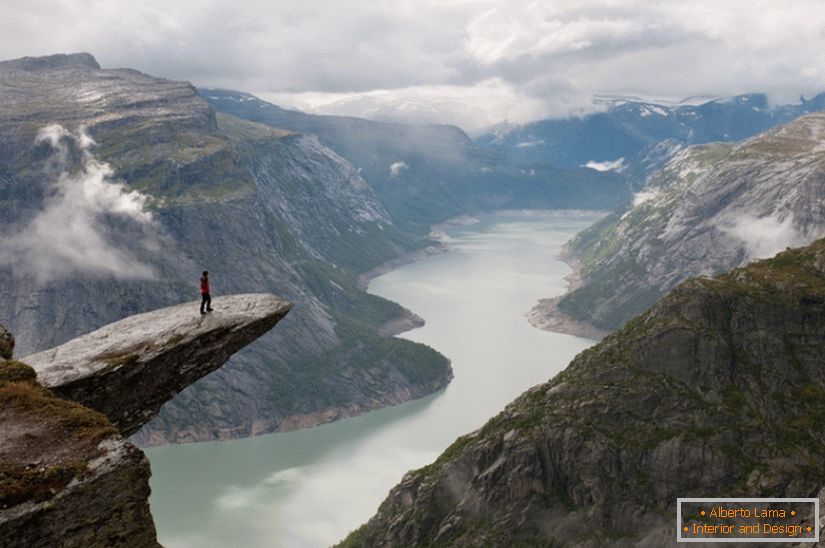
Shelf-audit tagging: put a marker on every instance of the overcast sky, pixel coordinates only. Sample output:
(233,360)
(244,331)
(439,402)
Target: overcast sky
(468,62)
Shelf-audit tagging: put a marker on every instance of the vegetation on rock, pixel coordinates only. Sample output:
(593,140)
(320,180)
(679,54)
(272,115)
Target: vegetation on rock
(47,441)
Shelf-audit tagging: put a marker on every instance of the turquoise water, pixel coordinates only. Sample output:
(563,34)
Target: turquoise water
(311,487)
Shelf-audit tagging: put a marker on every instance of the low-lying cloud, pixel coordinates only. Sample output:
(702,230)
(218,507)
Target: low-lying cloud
(764,237)
(397,167)
(607,165)
(73,233)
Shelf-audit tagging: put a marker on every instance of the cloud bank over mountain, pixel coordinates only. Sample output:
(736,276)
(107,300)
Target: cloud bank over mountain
(463,61)
(74,234)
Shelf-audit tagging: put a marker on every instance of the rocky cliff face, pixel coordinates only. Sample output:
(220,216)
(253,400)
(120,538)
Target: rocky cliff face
(261,209)
(128,369)
(712,208)
(717,390)
(67,475)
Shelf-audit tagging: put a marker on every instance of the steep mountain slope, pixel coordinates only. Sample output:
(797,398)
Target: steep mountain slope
(712,208)
(628,134)
(425,174)
(94,233)
(718,390)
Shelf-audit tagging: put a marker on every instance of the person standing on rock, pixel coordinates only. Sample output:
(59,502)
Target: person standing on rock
(206,299)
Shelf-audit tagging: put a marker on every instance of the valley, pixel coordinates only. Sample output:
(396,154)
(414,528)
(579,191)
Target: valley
(263,208)
(310,488)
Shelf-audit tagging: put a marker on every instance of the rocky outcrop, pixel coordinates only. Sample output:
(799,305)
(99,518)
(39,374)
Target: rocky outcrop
(107,506)
(128,369)
(712,208)
(716,391)
(67,475)
(6,343)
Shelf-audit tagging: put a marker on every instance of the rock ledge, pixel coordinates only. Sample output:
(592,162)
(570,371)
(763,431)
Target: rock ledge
(128,369)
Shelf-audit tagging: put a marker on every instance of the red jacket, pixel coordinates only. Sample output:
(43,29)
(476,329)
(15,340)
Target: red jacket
(204,285)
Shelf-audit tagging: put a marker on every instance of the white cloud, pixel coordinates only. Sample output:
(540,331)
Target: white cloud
(471,62)
(68,236)
(764,237)
(608,165)
(469,107)
(545,30)
(397,167)
(532,143)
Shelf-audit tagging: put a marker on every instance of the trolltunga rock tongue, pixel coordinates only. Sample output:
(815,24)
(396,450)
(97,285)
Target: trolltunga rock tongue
(128,369)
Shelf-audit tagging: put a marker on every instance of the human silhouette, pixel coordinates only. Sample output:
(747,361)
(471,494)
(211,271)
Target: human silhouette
(206,299)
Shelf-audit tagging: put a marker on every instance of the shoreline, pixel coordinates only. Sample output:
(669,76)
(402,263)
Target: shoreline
(545,315)
(407,320)
(438,238)
(433,248)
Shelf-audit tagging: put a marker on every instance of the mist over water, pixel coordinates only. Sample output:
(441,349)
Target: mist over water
(311,487)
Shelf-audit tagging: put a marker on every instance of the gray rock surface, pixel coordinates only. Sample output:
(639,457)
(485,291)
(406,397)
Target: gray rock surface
(107,507)
(712,208)
(128,369)
(717,391)
(57,61)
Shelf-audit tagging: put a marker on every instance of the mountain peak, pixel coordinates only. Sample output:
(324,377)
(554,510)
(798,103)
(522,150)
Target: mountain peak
(52,62)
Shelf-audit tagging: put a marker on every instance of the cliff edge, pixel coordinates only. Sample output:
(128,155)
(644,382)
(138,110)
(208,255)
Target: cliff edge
(68,476)
(128,369)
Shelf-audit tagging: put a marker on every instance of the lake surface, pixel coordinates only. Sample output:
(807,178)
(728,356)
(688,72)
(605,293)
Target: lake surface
(311,487)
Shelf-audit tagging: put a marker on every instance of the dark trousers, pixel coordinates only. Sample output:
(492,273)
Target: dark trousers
(206,302)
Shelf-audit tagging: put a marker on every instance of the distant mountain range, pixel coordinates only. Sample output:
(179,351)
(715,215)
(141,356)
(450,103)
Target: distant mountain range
(425,174)
(635,137)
